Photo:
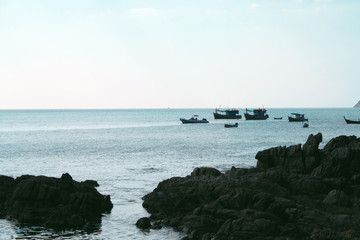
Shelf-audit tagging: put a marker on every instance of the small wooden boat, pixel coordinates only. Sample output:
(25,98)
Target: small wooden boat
(352,121)
(194,119)
(305,124)
(231,125)
(277,118)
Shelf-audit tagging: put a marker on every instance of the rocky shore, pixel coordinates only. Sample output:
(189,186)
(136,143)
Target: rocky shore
(52,202)
(295,192)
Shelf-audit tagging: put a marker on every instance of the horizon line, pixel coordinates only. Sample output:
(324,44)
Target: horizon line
(161,108)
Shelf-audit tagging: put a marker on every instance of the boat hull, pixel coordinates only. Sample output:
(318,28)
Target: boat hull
(255,117)
(187,121)
(351,121)
(291,119)
(230,125)
(225,116)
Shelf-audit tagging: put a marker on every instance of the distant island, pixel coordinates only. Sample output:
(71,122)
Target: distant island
(357,105)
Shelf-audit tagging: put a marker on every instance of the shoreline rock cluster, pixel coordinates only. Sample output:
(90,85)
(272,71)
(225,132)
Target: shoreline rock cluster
(52,202)
(295,192)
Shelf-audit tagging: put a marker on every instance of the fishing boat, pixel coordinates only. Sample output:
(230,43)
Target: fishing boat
(194,119)
(277,118)
(231,125)
(348,121)
(257,114)
(297,117)
(227,114)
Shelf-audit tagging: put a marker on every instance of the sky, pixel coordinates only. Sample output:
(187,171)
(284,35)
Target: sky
(70,54)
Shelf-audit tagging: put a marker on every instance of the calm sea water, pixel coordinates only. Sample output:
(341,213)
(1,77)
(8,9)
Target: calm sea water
(129,151)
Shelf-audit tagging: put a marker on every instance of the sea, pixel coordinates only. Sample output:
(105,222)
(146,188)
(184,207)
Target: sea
(129,151)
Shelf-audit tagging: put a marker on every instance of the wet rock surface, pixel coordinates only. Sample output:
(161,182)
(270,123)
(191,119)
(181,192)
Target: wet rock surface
(52,202)
(295,192)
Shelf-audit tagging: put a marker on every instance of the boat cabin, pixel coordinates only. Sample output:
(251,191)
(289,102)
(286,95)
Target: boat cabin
(298,115)
(257,112)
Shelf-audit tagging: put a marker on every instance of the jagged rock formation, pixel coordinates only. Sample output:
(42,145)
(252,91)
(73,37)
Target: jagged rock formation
(357,105)
(53,202)
(295,192)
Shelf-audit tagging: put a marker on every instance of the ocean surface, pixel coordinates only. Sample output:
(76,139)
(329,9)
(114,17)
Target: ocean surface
(130,151)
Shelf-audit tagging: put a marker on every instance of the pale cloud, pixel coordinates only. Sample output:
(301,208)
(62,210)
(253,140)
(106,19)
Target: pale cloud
(299,1)
(143,10)
(254,5)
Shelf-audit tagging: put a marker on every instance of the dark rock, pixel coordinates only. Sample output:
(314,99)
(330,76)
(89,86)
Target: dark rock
(66,182)
(300,184)
(294,193)
(91,183)
(311,152)
(336,183)
(206,171)
(54,202)
(294,158)
(337,197)
(340,158)
(311,147)
(156,225)
(143,223)
(271,157)
(341,141)
(355,179)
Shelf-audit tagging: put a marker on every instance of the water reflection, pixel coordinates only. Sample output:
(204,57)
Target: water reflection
(24,231)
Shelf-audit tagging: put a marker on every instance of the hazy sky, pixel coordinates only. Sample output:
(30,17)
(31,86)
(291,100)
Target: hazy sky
(179,53)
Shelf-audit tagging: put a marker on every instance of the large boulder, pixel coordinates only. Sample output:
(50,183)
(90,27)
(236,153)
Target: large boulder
(54,202)
(143,223)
